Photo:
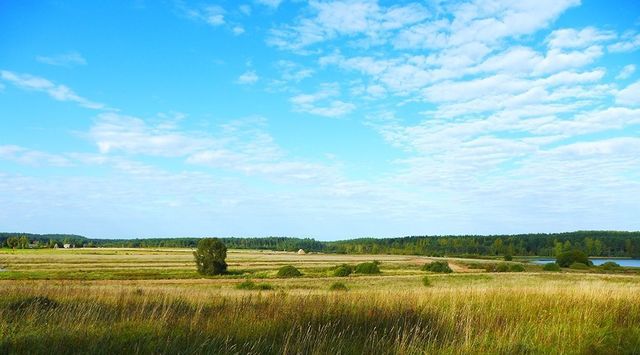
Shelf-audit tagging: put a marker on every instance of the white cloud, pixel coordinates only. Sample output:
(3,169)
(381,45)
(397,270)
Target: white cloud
(211,14)
(557,60)
(26,156)
(630,42)
(629,96)
(238,30)
(572,38)
(245,9)
(322,102)
(118,133)
(238,146)
(56,91)
(293,72)
(68,59)
(350,18)
(483,22)
(270,3)
(626,72)
(618,146)
(248,78)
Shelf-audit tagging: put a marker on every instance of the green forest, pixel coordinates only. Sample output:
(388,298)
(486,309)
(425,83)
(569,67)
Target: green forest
(593,243)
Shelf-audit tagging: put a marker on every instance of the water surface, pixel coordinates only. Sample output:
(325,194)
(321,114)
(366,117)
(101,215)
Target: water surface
(597,261)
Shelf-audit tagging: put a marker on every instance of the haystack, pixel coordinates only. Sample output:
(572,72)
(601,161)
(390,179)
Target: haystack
(301,252)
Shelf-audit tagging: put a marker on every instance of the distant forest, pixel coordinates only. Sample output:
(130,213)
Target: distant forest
(593,243)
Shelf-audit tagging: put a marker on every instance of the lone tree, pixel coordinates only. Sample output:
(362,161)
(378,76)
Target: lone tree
(210,256)
(565,259)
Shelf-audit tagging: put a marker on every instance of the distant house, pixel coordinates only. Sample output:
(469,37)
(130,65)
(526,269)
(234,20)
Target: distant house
(301,252)
(67,246)
(34,244)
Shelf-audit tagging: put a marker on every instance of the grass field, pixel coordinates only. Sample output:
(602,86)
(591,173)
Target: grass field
(153,301)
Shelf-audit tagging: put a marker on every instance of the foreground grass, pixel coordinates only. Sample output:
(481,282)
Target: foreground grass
(598,317)
(152,301)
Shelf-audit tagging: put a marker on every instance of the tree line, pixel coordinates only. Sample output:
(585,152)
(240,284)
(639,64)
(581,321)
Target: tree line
(592,243)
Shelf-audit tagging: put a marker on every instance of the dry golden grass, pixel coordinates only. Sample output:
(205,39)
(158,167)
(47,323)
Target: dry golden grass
(531,312)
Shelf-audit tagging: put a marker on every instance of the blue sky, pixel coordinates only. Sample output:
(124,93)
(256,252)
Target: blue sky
(328,119)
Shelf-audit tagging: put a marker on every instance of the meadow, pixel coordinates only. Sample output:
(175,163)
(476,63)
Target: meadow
(152,301)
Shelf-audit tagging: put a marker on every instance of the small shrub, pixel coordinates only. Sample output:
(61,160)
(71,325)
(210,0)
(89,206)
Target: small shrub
(551,267)
(516,268)
(426,281)
(338,286)
(437,266)
(368,268)
(502,267)
(508,257)
(342,271)
(250,285)
(610,265)
(246,285)
(579,266)
(288,271)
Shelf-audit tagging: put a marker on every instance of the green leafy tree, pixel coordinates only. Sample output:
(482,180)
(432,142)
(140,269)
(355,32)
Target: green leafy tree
(210,256)
(566,258)
(12,242)
(23,242)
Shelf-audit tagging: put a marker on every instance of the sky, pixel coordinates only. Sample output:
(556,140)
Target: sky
(324,119)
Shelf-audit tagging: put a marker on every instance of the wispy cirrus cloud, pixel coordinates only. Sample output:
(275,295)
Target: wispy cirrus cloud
(58,92)
(247,78)
(213,15)
(322,102)
(345,18)
(32,157)
(69,59)
(626,72)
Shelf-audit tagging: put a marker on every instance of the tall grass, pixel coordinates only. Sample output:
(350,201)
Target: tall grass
(547,319)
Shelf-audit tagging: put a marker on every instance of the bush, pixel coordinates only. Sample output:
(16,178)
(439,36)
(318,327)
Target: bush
(250,285)
(579,266)
(516,268)
(426,281)
(368,268)
(508,257)
(210,257)
(610,265)
(551,267)
(567,258)
(342,271)
(288,271)
(437,266)
(338,286)
(502,267)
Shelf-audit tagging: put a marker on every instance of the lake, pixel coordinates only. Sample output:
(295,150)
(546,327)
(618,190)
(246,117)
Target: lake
(598,261)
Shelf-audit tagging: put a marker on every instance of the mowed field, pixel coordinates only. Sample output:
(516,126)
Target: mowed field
(152,301)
